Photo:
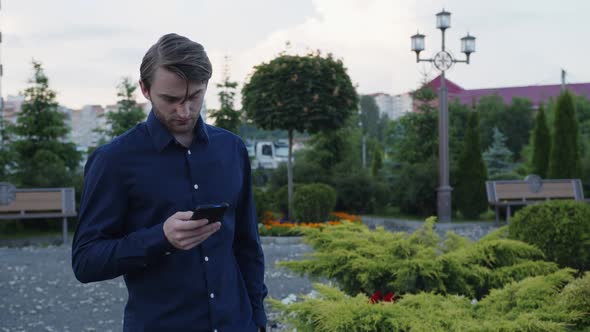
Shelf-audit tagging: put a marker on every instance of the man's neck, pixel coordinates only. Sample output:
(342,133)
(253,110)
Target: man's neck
(184,139)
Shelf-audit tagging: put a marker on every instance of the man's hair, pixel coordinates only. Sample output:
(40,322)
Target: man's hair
(178,54)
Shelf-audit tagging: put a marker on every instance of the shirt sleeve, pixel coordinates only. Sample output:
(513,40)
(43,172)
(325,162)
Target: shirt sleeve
(101,249)
(247,247)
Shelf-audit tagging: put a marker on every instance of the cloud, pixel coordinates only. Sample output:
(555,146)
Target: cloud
(86,46)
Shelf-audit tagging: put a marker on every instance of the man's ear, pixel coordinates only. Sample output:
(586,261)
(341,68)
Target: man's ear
(145,91)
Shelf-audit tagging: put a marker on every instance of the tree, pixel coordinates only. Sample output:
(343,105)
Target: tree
(470,189)
(498,157)
(369,116)
(377,160)
(42,158)
(416,135)
(541,144)
(491,109)
(5,153)
(514,120)
(564,160)
(299,93)
(128,113)
(226,117)
(414,145)
(517,124)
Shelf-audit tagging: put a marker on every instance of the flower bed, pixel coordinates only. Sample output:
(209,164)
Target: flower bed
(272,226)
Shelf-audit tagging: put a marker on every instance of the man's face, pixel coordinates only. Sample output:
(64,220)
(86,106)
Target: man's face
(167,95)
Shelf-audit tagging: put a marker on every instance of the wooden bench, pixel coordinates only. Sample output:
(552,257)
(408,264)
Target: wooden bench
(39,203)
(507,193)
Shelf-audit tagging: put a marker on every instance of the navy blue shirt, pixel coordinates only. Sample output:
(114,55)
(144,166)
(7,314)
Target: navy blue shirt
(132,185)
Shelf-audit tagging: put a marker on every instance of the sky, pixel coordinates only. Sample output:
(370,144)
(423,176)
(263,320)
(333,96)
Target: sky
(86,47)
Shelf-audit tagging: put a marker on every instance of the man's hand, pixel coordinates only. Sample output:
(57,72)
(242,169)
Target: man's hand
(186,234)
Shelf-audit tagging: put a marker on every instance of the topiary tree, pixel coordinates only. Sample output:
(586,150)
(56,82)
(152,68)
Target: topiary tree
(541,144)
(314,202)
(470,190)
(559,228)
(299,93)
(564,160)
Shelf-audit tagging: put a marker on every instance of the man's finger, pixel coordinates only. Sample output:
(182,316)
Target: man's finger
(200,233)
(190,224)
(208,229)
(183,215)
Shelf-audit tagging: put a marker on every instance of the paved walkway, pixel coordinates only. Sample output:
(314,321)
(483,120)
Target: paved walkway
(38,290)
(472,230)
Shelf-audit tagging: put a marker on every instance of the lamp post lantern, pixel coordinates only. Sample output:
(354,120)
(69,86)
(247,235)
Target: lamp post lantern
(443,61)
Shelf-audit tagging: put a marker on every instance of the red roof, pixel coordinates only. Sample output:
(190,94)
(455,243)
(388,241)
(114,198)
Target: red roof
(535,93)
(452,87)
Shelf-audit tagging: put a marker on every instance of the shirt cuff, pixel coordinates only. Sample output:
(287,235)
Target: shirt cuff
(259,318)
(155,242)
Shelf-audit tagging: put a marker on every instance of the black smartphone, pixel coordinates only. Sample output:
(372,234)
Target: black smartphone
(211,212)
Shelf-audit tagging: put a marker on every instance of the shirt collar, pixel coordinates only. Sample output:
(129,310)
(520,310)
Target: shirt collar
(161,137)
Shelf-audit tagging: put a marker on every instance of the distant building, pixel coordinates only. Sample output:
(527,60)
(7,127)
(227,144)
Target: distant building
(12,106)
(84,125)
(402,104)
(384,102)
(393,106)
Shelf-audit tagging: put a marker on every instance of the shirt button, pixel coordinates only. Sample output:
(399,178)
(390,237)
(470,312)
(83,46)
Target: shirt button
(206,259)
(212,295)
(196,186)
(189,152)
(215,330)
(167,253)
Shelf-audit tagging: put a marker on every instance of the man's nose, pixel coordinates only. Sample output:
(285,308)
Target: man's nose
(183,110)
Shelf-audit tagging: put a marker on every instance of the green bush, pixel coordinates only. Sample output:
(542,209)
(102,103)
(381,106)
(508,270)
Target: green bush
(363,261)
(561,229)
(314,202)
(281,198)
(554,302)
(383,198)
(414,190)
(263,201)
(355,192)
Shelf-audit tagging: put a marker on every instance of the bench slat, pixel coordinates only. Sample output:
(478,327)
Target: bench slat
(35,201)
(521,191)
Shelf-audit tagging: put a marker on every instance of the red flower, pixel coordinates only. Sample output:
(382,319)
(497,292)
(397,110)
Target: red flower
(376,297)
(389,297)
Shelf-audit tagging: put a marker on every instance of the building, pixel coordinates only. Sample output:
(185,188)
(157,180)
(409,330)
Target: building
(84,124)
(537,94)
(393,106)
(12,106)
(402,104)
(384,102)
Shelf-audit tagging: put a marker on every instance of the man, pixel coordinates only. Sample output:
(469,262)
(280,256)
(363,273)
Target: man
(139,193)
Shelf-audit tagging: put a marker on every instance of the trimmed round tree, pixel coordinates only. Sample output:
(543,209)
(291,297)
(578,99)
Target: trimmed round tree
(299,93)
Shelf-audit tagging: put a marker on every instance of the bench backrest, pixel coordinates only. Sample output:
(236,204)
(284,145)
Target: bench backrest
(42,200)
(521,190)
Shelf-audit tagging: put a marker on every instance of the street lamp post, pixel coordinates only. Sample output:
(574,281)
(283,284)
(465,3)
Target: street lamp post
(443,60)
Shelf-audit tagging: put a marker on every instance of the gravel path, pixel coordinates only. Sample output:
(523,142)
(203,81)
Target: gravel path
(38,290)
